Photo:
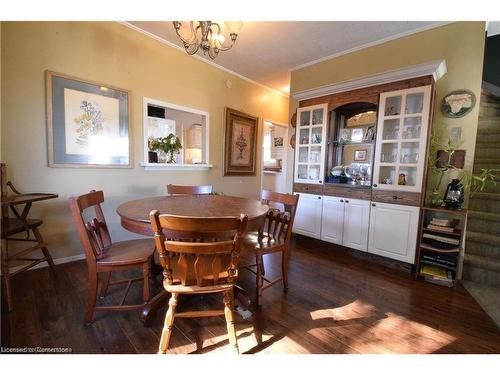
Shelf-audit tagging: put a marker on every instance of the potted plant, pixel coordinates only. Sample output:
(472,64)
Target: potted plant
(169,146)
(469,181)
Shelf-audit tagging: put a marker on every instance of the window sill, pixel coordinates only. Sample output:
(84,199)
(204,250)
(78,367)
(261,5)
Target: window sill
(272,172)
(174,167)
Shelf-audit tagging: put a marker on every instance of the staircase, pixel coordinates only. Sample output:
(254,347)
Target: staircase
(481,273)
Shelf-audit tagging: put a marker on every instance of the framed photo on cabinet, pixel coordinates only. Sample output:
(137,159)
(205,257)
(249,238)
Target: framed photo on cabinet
(240,143)
(87,123)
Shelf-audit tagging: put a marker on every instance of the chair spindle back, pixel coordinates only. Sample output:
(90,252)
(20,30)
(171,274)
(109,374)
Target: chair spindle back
(203,260)
(280,223)
(189,190)
(94,234)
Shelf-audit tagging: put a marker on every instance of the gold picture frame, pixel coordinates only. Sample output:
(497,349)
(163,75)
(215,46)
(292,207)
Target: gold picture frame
(240,148)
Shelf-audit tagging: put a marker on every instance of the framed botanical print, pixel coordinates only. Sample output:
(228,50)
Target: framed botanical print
(87,123)
(240,143)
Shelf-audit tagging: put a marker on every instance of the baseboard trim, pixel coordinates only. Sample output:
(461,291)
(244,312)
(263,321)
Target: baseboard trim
(63,260)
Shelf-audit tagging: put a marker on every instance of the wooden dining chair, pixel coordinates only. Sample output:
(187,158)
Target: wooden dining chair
(189,190)
(11,228)
(206,263)
(274,237)
(103,256)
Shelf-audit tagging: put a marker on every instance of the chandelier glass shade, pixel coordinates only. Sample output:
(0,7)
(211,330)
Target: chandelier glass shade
(208,36)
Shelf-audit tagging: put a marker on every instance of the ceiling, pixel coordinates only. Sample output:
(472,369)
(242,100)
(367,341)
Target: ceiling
(265,52)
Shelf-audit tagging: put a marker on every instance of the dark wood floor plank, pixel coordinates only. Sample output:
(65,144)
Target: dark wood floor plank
(337,302)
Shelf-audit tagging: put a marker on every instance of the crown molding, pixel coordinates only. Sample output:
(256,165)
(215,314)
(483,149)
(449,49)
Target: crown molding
(371,44)
(436,69)
(175,46)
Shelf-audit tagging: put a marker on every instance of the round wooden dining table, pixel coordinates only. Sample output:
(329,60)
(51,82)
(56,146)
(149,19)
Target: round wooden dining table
(135,218)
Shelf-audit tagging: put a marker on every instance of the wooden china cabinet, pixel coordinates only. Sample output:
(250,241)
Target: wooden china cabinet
(362,185)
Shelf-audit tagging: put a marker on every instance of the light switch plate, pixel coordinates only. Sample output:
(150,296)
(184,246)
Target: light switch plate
(455,134)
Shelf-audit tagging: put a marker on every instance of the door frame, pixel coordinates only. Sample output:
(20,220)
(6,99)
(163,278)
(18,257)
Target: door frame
(285,150)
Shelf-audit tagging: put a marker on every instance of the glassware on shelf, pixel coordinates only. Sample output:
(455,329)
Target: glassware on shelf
(352,172)
(305,118)
(303,154)
(414,103)
(314,173)
(302,172)
(417,133)
(317,116)
(393,106)
(389,129)
(387,158)
(304,136)
(315,155)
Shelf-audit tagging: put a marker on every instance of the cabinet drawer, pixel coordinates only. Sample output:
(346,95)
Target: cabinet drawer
(308,188)
(396,197)
(348,192)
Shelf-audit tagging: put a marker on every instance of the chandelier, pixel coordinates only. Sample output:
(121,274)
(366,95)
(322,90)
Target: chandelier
(207,35)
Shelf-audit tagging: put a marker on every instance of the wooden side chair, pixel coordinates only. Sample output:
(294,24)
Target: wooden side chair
(189,190)
(274,237)
(12,227)
(200,265)
(103,256)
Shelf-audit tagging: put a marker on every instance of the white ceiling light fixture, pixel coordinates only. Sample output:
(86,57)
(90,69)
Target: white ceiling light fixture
(208,36)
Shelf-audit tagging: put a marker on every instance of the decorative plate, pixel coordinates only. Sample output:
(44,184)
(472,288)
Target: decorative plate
(293,120)
(292,141)
(458,103)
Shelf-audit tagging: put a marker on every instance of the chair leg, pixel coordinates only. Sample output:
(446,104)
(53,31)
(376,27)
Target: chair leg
(91,297)
(167,326)
(228,312)
(146,269)
(45,251)
(259,279)
(284,268)
(8,292)
(105,284)
(5,274)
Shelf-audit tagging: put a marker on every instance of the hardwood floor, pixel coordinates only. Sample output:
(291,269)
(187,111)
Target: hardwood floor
(336,303)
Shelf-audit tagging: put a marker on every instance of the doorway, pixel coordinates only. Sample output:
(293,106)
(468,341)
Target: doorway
(273,167)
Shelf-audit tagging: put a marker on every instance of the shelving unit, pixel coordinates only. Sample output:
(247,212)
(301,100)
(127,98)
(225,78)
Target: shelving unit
(440,250)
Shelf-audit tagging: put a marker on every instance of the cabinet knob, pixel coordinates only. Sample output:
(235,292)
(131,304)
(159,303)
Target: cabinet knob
(320,182)
(319,197)
(341,200)
(306,188)
(374,185)
(346,201)
(394,197)
(374,205)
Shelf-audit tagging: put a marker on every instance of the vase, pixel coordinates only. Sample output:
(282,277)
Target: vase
(171,158)
(163,157)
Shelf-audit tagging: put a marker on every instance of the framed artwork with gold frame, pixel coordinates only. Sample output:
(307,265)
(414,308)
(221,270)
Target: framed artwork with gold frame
(240,143)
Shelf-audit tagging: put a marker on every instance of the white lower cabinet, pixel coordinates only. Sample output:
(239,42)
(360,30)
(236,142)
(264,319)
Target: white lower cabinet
(356,219)
(332,219)
(393,231)
(308,215)
(345,222)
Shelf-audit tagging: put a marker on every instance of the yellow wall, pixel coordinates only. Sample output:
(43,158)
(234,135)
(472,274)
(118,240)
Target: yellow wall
(118,56)
(461,44)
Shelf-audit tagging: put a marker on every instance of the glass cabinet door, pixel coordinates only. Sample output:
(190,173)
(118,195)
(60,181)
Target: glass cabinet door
(310,144)
(402,139)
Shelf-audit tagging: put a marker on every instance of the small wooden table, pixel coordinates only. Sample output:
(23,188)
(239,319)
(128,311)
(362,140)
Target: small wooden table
(135,218)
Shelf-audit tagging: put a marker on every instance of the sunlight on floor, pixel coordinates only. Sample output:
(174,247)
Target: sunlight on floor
(365,329)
